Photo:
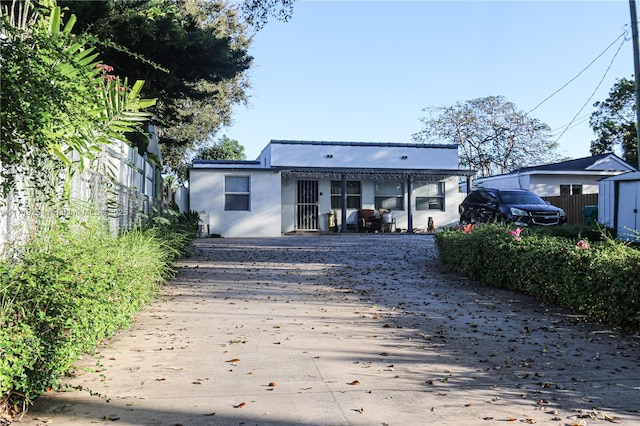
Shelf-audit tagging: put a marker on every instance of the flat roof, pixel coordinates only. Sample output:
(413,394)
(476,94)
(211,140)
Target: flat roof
(378,144)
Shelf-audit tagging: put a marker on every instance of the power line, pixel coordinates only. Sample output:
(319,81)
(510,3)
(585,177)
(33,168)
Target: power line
(576,122)
(624,33)
(594,91)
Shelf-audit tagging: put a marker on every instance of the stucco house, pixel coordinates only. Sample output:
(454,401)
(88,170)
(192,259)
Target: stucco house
(572,177)
(306,186)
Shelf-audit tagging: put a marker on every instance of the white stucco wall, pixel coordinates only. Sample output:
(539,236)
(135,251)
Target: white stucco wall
(206,195)
(360,155)
(546,185)
(549,186)
(440,218)
(288,199)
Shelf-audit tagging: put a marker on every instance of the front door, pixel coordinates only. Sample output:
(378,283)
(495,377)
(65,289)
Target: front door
(307,206)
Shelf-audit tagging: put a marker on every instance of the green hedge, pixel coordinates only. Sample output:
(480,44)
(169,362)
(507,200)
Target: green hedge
(600,279)
(71,288)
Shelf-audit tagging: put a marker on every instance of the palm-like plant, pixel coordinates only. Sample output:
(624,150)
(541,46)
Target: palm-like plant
(80,110)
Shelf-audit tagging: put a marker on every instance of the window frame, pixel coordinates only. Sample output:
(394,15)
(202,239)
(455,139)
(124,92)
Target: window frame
(420,199)
(380,198)
(573,189)
(336,195)
(237,195)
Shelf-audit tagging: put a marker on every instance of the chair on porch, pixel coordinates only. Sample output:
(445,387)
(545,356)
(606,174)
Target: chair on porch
(369,220)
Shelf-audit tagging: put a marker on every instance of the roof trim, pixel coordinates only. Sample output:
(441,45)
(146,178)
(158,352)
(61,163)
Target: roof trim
(373,173)
(378,144)
(244,162)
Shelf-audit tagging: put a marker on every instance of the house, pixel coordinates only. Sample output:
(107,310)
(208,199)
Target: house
(618,204)
(572,177)
(315,186)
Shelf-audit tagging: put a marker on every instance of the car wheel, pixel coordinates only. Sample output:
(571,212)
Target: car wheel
(464,219)
(501,220)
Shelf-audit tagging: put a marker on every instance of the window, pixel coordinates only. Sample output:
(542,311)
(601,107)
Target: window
(236,193)
(353,194)
(570,189)
(429,195)
(389,195)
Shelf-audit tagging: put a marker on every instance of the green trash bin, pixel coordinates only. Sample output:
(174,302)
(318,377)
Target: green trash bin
(590,214)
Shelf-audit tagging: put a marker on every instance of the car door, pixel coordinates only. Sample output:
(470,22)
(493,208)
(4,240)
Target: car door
(474,206)
(490,206)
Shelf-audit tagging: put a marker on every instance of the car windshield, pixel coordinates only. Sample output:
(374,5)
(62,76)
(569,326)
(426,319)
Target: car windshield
(520,198)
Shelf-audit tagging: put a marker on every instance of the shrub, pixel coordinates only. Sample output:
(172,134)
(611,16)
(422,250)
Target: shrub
(600,279)
(69,289)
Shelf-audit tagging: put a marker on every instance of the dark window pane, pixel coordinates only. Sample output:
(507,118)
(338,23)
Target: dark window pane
(336,187)
(353,202)
(336,202)
(236,184)
(429,203)
(233,202)
(389,203)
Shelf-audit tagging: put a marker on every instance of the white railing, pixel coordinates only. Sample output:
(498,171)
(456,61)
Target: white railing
(124,199)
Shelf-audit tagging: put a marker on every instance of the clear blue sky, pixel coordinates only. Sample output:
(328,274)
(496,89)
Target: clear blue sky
(364,70)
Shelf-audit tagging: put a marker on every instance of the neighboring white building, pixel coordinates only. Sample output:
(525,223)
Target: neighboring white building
(618,204)
(572,177)
(296,186)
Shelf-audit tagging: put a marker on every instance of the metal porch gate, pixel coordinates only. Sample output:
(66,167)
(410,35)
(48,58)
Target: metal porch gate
(307,206)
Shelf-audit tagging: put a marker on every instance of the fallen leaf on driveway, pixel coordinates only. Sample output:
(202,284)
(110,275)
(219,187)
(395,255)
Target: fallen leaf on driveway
(242,404)
(354,383)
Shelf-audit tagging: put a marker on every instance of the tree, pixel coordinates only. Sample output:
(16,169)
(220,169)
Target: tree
(614,122)
(493,136)
(224,149)
(257,12)
(59,104)
(196,59)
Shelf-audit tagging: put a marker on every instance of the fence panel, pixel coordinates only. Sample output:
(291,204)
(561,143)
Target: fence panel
(124,202)
(572,205)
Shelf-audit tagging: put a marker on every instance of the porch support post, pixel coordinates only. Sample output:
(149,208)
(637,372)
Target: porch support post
(343,217)
(409,200)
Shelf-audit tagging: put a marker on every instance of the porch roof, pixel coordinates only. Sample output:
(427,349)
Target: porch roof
(373,174)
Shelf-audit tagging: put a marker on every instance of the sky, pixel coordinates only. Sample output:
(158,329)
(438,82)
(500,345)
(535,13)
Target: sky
(363,71)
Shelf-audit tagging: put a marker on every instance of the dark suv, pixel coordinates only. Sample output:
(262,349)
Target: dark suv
(509,205)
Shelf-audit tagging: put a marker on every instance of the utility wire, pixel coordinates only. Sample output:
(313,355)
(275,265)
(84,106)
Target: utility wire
(624,33)
(576,122)
(594,91)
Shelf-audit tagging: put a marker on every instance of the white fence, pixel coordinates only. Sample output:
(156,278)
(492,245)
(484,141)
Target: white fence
(130,194)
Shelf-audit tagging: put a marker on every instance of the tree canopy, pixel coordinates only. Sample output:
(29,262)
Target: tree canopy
(614,122)
(493,135)
(192,54)
(223,149)
(59,104)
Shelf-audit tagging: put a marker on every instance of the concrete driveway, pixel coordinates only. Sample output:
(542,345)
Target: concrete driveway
(347,330)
